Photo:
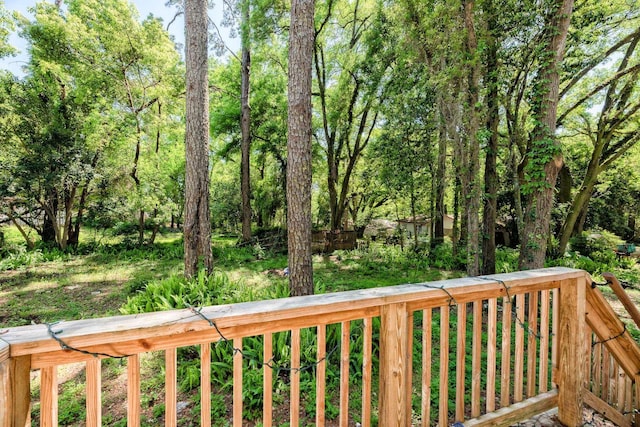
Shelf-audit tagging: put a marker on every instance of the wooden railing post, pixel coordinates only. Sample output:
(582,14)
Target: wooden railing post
(394,357)
(571,355)
(15,394)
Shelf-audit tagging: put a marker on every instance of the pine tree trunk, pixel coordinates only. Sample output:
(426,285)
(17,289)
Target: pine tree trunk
(299,147)
(197,222)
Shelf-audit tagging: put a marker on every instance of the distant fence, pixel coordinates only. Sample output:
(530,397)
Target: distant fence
(326,241)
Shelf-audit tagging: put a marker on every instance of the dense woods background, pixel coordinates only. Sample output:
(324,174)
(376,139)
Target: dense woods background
(421,111)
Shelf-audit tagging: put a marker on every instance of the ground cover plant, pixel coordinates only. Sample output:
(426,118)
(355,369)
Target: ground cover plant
(108,276)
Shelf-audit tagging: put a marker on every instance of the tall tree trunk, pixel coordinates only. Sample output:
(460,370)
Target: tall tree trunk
(438,231)
(489,215)
(246,125)
(544,156)
(473,156)
(301,45)
(197,222)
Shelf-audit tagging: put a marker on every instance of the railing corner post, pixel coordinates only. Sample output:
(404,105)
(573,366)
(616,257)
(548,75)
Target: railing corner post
(394,360)
(15,392)
(571,357)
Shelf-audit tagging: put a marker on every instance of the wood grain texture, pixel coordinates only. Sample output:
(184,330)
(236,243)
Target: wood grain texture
(393,355)
(571,355)
(49,397)
(94,393)
(367,365)
(492,345)
(427,347)
(133,391)
(517,412)
(460,361)
(505,368)
(205,384)
(344,374)
(237,383)
(15,391)
(267,380)
(443,411)
(321,375)
(476,360)
(126,335)
(171,387)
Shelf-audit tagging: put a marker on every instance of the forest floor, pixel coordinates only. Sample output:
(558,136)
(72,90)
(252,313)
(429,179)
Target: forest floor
(68,287)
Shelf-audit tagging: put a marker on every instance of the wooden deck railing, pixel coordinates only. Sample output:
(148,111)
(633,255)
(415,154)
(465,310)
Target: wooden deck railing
(484,351)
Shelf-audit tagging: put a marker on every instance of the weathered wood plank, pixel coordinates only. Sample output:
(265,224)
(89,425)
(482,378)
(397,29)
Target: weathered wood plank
(571,355)
(139,333)
(555,315)
(517,412)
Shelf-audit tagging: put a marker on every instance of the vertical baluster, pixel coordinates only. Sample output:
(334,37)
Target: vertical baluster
(321,373)
(636,380)
(505,369)
(49,396)
(344,374)
(267,380)
(628,404)
(205,384)
(492,344)
(171,385)
(94,386)
(133,390)
(460,361)
(518,376)
(555,314)
(544,340)
(237,382)
(426,366)
(476,359)
(443,413)
(295,377)
(596,383)
(613,382)
(367,365)
(532,344)
(409,368)
(622,389)
(606,369)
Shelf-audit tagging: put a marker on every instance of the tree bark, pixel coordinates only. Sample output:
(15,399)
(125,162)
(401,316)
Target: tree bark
(197,222)
(472,200)
(544,156)
(440,178)
(490,208)
(301,45)
(246,126)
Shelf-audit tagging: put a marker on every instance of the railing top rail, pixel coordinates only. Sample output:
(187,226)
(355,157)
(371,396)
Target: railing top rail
(149,331)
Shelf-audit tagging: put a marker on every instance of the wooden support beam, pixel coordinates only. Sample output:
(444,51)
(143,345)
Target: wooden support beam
(632,309)
(517,412)
(571,355)
(15,395)
(394,348)
(605,410)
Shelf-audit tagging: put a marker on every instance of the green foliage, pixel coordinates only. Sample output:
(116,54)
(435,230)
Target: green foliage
(597,244)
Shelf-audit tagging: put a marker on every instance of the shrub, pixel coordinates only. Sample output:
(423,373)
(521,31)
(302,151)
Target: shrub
(589,242)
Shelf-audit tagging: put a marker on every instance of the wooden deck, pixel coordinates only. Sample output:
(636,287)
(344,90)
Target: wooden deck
(532,341)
